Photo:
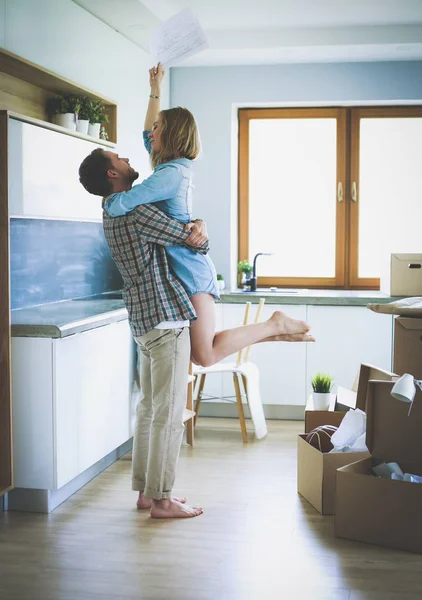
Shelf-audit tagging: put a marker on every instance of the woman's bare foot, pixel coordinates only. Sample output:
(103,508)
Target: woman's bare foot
(143,502)
(169,508)
(291,337)
(286,325)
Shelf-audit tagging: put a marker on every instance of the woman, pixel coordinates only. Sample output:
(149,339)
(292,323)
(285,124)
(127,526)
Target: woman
(171,137)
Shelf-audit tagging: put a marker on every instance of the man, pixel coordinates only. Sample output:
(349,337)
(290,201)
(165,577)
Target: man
(159,315)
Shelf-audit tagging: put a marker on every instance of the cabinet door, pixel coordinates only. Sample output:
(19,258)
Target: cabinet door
(93,385)
(346,337)
(281,365)
(37,156)
(32,405)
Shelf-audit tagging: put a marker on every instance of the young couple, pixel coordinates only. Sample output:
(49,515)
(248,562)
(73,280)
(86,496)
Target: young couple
(169,290)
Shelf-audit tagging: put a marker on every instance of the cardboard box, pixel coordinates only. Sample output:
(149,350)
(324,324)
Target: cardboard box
(402,276)
(316,471)
(407,356)
(345,399)
(382,511)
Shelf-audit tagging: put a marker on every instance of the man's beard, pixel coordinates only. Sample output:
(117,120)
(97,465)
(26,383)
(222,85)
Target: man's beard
(132,175)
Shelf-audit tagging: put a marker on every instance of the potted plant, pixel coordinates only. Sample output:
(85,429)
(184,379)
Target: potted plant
(97,116)
(321,385)
(62,108)
(244,268)
(82,121)
(220,282)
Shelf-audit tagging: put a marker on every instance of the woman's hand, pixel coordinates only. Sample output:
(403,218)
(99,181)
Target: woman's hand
(198,235)
(156,76)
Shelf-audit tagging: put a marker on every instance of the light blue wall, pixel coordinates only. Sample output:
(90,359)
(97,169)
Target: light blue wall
(63,37)
(212,93)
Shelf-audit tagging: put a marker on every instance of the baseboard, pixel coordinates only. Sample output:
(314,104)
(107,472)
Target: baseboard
(45,501)
(271,411)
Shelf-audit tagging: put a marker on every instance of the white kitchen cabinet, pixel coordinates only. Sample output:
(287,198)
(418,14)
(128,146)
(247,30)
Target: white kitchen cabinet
(346,337)
(43,178)
(281,365)
(71,403)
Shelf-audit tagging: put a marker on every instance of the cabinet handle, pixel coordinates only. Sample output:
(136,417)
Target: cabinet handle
(353,192)
(340,197)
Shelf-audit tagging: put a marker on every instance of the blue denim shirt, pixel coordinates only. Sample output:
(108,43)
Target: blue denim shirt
(169,187)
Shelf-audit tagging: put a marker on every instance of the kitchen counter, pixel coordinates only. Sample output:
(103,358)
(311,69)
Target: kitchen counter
(304,296)
(61,319)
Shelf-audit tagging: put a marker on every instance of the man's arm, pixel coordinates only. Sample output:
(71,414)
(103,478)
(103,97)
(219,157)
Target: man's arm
(155,226)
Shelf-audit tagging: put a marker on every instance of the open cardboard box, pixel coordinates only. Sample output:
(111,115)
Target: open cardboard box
(407,356)
(316,471)
(345,399)
(383,511)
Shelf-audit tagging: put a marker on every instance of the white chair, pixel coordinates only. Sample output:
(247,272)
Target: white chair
(244,372)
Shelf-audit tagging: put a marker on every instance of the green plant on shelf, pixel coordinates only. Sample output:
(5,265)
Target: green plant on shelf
(84,109)
(322,383)
(97,112)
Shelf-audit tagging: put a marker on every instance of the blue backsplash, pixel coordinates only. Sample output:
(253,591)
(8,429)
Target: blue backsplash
(58,260)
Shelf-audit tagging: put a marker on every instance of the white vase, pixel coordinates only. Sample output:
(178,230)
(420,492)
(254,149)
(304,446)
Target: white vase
(321,401)
(221,284)
(94,129)
(82,126)
(66,120)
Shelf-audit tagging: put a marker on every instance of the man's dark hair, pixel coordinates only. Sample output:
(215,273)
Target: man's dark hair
(93,173)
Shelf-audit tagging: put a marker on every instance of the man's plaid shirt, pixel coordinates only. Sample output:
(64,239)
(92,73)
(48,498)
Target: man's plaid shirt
(137,244)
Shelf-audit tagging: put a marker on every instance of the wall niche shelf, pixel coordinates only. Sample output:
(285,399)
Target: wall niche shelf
(26,87)
(54,127)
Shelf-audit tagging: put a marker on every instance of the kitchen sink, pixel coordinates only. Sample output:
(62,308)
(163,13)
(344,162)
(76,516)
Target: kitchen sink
(267,291)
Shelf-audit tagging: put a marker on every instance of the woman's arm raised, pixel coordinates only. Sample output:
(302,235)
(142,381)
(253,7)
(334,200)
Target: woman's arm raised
(156,75)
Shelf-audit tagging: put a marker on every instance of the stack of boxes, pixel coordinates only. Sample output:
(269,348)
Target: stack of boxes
(369,508)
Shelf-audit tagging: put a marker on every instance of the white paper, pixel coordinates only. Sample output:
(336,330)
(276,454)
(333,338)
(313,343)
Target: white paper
(178,38)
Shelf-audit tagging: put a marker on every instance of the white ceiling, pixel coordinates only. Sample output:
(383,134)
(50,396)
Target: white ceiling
(241,32)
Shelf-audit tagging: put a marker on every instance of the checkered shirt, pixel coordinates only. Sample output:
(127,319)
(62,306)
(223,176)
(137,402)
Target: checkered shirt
(137,244)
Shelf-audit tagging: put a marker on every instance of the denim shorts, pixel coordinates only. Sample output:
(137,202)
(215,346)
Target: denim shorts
(196,272)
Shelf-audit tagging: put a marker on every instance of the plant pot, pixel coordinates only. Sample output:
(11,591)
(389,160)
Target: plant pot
(321,401)
(66,120)
(221,284)
(94,129)
(82,126)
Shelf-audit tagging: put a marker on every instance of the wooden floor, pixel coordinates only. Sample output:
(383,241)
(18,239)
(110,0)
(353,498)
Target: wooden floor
(257,539)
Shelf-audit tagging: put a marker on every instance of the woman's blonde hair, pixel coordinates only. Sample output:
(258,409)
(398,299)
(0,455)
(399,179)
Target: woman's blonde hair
(179,136)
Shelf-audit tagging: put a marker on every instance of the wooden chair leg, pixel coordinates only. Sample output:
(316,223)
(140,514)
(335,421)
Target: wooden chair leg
(199,396)
(189,402)
(240,408)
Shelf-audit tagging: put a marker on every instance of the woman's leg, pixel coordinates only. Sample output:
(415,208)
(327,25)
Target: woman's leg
(209,347)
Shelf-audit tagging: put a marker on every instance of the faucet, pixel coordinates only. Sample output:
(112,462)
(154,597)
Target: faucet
(252,281)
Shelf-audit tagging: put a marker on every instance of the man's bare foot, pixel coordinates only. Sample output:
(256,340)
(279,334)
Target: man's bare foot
(169,508)
(286,325)
(291,337)
(143,502)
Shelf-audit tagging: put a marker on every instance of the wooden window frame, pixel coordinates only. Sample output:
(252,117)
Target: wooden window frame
(245,116)
(347,211)
(356,114)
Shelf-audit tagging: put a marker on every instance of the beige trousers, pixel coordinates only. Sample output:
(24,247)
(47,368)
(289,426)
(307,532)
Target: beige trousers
(164,358)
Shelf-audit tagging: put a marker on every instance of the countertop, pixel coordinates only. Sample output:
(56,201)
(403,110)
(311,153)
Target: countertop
(304,296)
(61,319)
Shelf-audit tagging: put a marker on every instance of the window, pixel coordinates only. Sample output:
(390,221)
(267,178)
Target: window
(329,192)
